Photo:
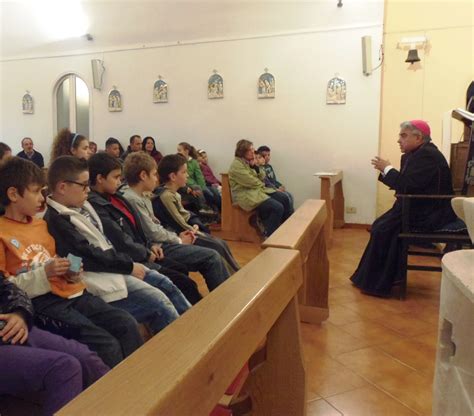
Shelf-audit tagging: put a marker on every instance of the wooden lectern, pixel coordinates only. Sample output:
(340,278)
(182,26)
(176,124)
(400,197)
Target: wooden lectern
(462,155)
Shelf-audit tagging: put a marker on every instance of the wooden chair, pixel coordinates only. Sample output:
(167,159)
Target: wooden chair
(304,231)
(332,193)
(407,237)
(235,221)
(186,368)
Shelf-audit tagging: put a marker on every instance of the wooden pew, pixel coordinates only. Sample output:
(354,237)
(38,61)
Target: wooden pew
(185,369)
(331,184)
(304,231)
(235,221)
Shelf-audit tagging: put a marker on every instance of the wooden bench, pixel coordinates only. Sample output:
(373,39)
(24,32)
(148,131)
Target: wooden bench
(186,368)
(332,193)
(235,221)
(304,231)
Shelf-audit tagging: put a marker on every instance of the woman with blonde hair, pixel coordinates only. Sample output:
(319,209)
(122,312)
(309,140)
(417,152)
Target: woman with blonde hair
(249,191)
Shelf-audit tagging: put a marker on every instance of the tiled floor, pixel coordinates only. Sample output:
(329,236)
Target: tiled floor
(372,356)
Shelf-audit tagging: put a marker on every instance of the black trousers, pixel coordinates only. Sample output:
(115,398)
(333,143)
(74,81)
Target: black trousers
(111,332)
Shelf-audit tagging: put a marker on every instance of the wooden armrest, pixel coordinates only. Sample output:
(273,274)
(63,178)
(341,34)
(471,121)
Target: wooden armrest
(411,196)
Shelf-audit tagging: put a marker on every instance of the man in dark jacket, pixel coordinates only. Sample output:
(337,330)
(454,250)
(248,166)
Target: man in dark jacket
(424,171)
(29,153)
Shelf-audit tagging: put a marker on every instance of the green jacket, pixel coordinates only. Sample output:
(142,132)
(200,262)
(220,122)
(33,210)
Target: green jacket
(247,187)
(195,175)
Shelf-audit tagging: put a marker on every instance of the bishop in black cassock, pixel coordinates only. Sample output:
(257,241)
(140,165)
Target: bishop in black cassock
(424,170)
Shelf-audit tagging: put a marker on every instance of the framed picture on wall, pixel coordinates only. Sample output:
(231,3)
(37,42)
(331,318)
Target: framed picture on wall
(215,86)
(160,91)
(336,91)
(27,104)
(266,85)
(115,100)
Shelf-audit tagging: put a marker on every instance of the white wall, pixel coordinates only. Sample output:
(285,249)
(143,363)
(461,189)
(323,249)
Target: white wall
(305,134)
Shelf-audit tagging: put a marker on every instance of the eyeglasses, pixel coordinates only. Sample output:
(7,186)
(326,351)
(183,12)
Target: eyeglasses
(83,185)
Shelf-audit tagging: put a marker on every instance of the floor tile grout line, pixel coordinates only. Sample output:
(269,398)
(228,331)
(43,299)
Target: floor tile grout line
(371,383)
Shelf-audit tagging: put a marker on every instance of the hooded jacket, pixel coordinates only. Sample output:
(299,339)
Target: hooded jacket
(104,268)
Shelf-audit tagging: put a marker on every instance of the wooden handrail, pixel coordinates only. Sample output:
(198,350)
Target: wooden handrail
(304,231)
(186,368)
(332,193)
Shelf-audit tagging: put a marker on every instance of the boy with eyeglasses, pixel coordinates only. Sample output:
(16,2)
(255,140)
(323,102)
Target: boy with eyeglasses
(28,259)
(149,296)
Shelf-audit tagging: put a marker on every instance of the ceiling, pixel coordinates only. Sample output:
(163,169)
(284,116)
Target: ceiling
(32,28)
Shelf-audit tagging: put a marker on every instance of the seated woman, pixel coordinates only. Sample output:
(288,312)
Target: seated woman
(70,144)
(167,206)
(195,177)
(249,191)
(149,146)
(34,361)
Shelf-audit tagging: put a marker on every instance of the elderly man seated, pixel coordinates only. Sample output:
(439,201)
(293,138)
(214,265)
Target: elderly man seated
(424,170)
(29,153)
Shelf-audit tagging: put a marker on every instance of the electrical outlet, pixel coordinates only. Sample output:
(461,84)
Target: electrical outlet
(351,210)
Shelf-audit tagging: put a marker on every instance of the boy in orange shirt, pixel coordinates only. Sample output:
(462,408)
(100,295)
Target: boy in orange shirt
(28,258)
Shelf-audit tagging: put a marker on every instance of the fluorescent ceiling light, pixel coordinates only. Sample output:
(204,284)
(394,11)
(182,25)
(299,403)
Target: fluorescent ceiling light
(61,19)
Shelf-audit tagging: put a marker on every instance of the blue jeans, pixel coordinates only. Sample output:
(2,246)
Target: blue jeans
(213,197)
(206,261)
(147,304)
(164,284)
(271,213)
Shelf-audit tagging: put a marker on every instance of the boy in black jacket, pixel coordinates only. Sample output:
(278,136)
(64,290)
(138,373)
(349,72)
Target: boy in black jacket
(122,225)
(149,296)
(28,258)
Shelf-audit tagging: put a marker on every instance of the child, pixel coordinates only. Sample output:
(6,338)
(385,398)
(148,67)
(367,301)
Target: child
(173,173)
(122,225)
(93,148)
(207,172)
(113,276)
(262,156)
(266,153)
(113,147)
(36,361)
(67,143)
(259,167)
(28,259)
(5,152)
(195,177)
(140,172)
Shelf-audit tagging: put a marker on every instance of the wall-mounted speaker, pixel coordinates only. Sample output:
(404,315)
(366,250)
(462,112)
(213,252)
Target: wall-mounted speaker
(367,55)
(98,70)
